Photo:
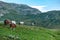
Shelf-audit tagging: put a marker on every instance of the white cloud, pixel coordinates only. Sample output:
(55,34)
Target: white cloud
(2,0)
(41,8)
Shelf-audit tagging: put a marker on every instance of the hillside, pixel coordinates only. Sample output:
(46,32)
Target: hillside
(22,12)
(21,9)
(23,32)
(50,19)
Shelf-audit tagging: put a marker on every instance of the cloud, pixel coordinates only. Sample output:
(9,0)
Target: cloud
(2,0)
(41,8)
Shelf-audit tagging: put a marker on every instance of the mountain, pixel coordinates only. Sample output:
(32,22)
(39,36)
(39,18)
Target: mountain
(22,12)
(17,8)
(12,9)
(50,19)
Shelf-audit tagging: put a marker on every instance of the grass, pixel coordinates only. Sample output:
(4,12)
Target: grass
(23,32)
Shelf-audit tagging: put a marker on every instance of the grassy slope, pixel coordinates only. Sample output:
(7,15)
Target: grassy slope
(27,33)
(57,32)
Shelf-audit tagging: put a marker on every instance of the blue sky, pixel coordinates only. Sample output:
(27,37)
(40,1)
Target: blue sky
(42,5)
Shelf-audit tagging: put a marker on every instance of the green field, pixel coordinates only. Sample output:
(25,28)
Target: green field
(23,32)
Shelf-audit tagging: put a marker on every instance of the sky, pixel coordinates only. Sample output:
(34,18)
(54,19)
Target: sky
(42,5)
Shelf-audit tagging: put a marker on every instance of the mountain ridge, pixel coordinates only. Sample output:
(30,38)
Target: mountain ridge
(22,12)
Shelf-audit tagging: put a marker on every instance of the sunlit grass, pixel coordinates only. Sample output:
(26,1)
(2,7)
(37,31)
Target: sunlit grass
(24,32)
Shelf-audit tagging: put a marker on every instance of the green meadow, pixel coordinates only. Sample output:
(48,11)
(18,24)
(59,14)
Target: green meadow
(24,32)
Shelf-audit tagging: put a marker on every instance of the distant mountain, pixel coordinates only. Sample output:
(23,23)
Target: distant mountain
(18,9)
(22,12)
(50,19)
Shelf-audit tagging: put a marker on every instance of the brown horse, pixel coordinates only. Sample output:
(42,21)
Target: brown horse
(12,25)
(6,22)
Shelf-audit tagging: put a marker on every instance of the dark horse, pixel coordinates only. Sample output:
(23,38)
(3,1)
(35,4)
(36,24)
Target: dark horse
(6,22)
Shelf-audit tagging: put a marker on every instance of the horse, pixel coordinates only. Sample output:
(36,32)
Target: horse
(6,22)
(21,23)
(12,25)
